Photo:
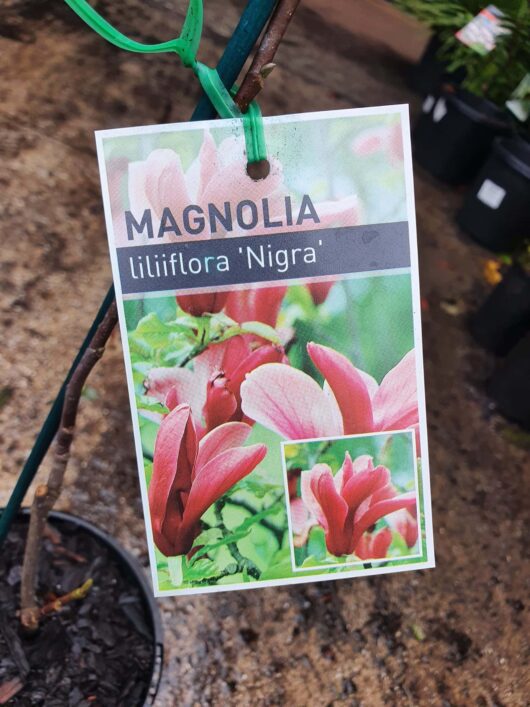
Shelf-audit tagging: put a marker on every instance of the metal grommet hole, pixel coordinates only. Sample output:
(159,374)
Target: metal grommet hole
(258,170)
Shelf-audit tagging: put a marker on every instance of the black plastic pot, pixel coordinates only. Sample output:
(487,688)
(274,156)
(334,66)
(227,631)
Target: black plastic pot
(496,212)
(504,317)
(510,385)
(133,572)
(453,136)
(430,72)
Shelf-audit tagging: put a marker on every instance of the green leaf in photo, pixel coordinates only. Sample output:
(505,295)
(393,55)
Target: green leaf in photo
(263,330)
(280,566)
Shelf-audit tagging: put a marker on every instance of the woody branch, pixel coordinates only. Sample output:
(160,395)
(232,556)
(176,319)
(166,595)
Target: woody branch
(47,494)
(262,63)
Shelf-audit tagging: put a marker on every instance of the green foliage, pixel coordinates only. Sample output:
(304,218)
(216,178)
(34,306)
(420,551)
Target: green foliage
(495,75)
(368,320)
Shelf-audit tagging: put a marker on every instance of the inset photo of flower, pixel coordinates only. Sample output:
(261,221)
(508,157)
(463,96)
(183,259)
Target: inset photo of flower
(352,500)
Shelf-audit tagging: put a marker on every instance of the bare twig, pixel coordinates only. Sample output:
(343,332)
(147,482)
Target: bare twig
(47,494)
(262,63)
(57,604)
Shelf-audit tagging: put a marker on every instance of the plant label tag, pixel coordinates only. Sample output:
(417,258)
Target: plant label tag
(491,194)
(271,333)
(480,33)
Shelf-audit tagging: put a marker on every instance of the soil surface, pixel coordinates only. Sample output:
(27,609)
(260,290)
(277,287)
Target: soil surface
(456,635)
(98,650)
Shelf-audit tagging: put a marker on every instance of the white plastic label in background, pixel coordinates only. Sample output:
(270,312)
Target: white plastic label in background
(491,194)
(428,104)
(440,109)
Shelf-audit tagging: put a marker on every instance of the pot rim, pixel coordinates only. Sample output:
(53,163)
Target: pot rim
(478,109)
(515,152)
(133,567)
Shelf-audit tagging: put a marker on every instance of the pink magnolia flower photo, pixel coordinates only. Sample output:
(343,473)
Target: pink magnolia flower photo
(189,476)
(213,388)
(351,502)
(291,403)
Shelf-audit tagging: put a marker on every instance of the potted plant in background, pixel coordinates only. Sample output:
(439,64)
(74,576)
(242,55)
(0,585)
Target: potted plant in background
(454,133)
(496,211)
(509,386)
(444,19)
(504,317)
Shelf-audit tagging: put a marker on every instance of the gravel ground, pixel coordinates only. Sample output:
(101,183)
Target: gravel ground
(456,635)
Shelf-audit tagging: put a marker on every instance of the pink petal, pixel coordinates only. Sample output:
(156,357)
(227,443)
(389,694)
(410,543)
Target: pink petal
(232,178)
(396,401)
(256,304)
(379,510)
(335,510)
(218,476)
(260,356)
(362,485)
(221,403)
(381,541)
(362,463)
(344,474)
(173,460)
(231,434)
(348,387)
(236,349)
(307,479)
(374,546)
(363,547)
(289,402)
(404,523)
(336,413)
(395,143)
(204,303)
(319,291)
(183,383)
(209,362)
(209,163)
(138,199)
(372,386)
(165,182)
(369,141)
(301,522)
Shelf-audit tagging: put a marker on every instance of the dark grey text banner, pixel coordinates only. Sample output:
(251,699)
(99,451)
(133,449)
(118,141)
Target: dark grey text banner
(249,259)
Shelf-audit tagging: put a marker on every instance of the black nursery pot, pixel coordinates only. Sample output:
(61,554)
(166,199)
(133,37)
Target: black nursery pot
(107,647)
(510,385)
(504,317)
(430,72)
(496,212)
(454,134)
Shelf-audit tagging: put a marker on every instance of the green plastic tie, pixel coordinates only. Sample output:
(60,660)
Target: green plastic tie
(186,46)
(225,105)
